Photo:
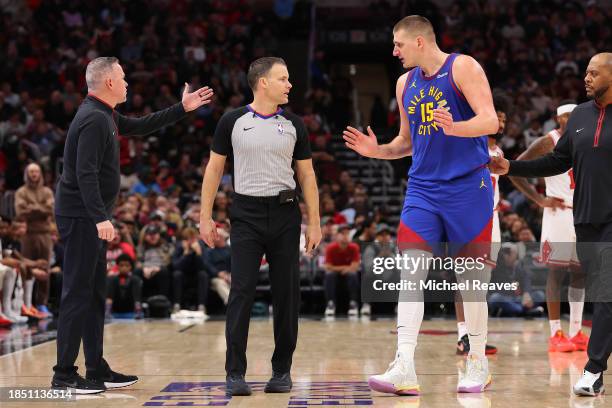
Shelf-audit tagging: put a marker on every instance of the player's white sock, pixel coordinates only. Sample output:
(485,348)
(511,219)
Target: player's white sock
(410,308)
(555,325)
(461,330)
(409,319)
(7,293)
(576,302)
(476,310)
(476,318)
(27,292)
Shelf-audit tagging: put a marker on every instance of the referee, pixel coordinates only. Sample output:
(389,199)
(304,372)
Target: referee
(586,146)
(265,216)
(85,197)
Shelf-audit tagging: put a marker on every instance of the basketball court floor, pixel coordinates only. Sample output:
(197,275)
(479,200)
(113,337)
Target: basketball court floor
(183,365)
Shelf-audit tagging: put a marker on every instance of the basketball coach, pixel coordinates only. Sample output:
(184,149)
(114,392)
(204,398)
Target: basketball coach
(265,216)
(85,196)
(586,147)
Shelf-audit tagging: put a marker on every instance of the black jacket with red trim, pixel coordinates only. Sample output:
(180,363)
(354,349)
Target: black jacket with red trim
(585,146)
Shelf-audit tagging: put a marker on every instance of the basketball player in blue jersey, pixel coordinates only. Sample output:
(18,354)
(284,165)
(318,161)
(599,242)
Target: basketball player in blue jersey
(446,109)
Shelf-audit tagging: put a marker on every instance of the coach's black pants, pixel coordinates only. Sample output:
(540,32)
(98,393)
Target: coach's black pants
(81,313)
(595,254)
(258,228)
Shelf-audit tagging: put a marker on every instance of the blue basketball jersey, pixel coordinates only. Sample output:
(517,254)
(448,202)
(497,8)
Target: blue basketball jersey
(436,156)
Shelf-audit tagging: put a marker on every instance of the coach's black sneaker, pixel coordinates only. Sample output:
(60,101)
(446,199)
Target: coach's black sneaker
(235,385)
(589,385)
(113,379)
(280,382)
(79,384)
(463,347)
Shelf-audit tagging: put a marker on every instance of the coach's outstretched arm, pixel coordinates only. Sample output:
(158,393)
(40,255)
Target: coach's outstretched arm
(367,145)
(150,123)
(538,148)
(556,162)
(472,82)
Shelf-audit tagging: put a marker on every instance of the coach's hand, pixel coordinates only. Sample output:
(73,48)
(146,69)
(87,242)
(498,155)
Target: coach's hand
(365,145)
(194,100)
(499,165)
(106,231)
(313,237)
(208,232)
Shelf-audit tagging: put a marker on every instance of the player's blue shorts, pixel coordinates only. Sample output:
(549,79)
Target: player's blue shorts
(457,212)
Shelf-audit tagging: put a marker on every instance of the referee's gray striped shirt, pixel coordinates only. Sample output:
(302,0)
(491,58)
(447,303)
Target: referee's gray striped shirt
(263,148)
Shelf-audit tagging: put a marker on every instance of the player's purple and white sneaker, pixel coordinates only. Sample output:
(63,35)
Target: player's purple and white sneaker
(476,377)
(400,378)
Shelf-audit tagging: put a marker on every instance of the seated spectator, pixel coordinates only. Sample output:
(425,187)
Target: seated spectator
(124,291)
(366,235)
(119,245)
(154,254)
(146,183)
(164,178)
(342,258)
(189,269)
(29,269)
(218,260)
(522,302)
(382,247)
(328,209)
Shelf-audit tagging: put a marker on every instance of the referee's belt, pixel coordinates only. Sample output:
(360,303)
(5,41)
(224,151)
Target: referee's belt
(283,197)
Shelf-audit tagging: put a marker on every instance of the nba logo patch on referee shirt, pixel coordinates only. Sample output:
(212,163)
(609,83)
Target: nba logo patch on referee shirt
(280,128)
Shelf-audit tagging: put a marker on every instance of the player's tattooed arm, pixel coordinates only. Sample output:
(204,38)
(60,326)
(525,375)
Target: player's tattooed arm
(538,148)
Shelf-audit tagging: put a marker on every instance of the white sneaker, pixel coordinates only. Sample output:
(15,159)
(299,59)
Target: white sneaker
(15,318)
(400,378)
(353,309)
(589,385)
(366,310)
(476,377)
(330,310)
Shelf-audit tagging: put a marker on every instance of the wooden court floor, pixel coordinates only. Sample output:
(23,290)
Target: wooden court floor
(183,365)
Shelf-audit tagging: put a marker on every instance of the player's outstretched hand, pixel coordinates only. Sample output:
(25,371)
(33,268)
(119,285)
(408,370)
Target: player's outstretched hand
(193,100)
(365,145)
(499,165)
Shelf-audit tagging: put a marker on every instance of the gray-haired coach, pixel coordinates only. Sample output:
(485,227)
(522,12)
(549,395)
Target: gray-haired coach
(85,197)
(265,215)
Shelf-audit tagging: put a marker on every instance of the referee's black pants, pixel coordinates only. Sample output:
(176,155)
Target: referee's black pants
(263,226)
(81,313)
(595,254)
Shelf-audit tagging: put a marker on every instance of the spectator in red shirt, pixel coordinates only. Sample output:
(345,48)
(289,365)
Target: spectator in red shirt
(342,258)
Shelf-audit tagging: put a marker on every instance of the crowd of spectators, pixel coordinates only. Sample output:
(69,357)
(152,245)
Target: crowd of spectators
(535,54)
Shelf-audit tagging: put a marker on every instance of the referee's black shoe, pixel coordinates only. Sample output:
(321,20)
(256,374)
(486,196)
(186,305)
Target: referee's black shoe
(280,382)
(235,385)
(79,384)
(113,379)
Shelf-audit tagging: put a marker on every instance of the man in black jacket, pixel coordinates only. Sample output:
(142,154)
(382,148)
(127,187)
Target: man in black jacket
(85,197)
(586,146)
